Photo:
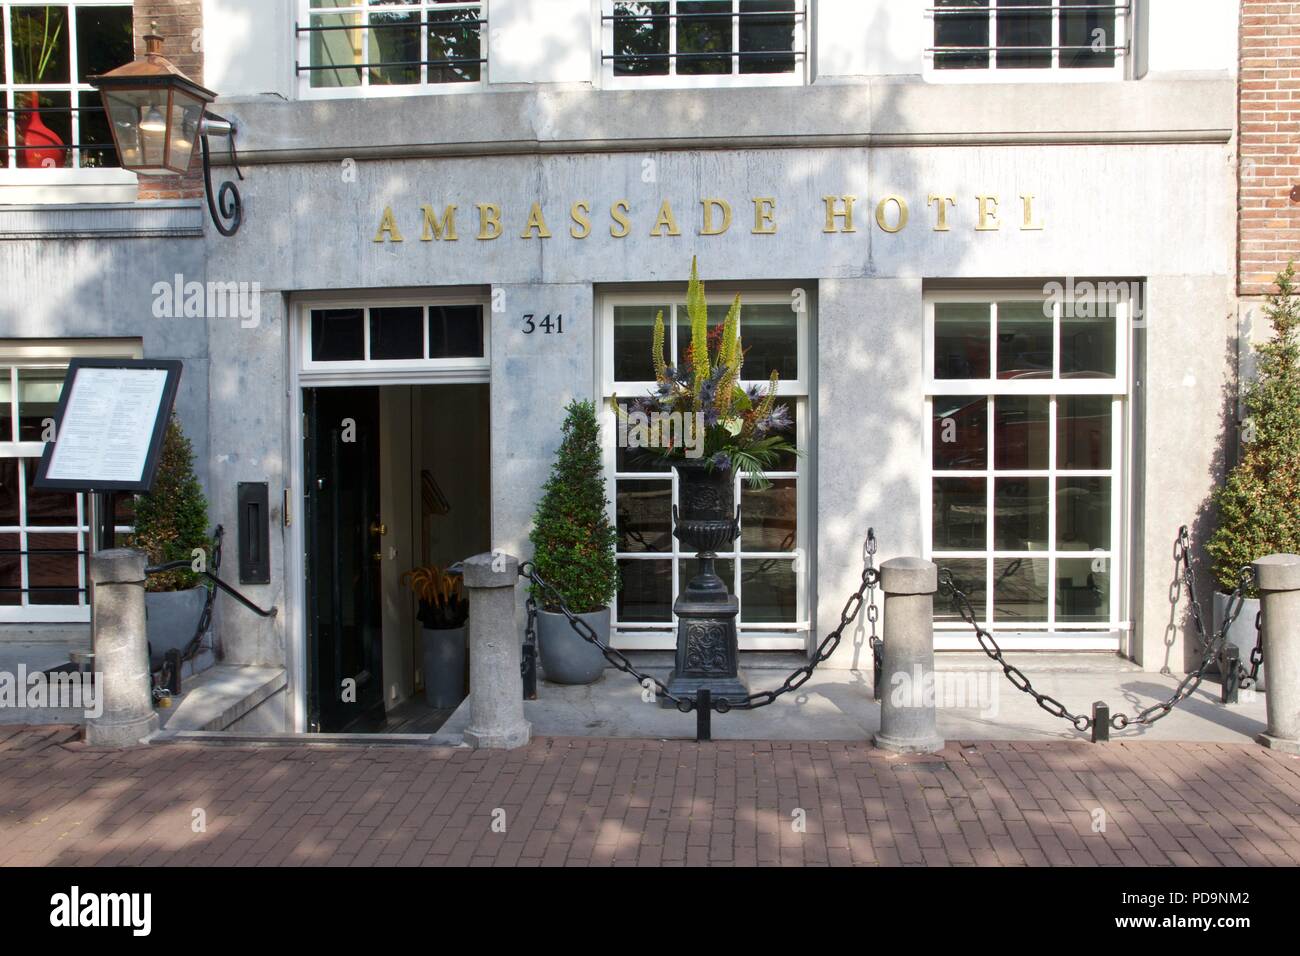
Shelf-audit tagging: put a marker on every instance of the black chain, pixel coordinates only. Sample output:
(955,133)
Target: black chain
(195,646)
(1081,722)
(797,678)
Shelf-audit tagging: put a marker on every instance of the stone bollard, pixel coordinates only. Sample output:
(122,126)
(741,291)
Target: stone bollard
(1278,579)
(907,715)
(496,715)
(121,651)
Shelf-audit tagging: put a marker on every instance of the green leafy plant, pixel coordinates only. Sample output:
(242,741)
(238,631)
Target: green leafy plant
(171,520)
(743,428)
(572,538)
(1259,504)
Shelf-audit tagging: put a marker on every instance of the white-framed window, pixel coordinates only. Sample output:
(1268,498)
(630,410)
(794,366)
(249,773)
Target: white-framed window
(1026,401)
(44,535)
(443,332)
(768,568)
(704,42)
(386,48)
(56,135)
(1012,40)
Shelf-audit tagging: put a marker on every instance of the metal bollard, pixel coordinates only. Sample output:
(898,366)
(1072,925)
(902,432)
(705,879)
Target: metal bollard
(907,707)
(1278,579)
(1100,722)
(495,684)
(121,651)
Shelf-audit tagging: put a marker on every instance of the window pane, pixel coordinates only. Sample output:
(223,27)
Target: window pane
(47,508)
(703,27)
(1024,28)
(1020,514)
(772,30)
(6,408)
(104,40)
(397,333)
(633,336)
(9,492)
(337,335)
(40,44)
(455,35)
(1088,340)
(768,517)
(644,516)
(1022,431)
(51,575)
(336,48)
(960,514)
(639,459)
(961,436)
(395,39)
(38,400)
(969,576)
(1083,432)
(456,331)
(1093,30)
(97,150)
(1020,589)
(10,571)
(966,28)
(1083,508)
(961,340)
(768,592)
(770,337)
(1083,589)
(644,40)
(1024,341)
(44,129)
(645,593)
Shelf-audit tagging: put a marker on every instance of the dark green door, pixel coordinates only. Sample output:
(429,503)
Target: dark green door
(344,634)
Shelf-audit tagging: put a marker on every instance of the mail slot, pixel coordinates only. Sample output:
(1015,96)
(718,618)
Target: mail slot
(254,533)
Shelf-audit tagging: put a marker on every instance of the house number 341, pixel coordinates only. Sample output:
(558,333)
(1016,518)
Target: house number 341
(548,325)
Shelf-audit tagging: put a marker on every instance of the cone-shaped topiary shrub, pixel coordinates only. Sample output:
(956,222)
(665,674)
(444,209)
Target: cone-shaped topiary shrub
(572,538)
(1259,505)
(171,520)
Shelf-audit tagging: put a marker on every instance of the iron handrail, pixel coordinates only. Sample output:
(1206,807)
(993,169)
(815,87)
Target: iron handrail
(177,565)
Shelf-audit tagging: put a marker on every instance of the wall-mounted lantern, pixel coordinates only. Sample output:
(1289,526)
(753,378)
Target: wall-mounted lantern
(157,115)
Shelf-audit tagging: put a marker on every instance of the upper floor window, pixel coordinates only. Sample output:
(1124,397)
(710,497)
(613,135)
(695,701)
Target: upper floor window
(53,118)
(1028,37)
(705,42)
(349,47)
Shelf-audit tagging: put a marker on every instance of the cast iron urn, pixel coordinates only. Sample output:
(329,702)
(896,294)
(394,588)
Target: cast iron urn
(706,610)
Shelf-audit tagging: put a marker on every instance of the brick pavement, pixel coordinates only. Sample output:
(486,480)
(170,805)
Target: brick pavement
(593,801)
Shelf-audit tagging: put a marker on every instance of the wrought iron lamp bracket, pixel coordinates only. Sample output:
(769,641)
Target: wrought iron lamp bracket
(225,205)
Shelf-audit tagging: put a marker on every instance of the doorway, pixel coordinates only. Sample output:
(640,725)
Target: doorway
(396,477)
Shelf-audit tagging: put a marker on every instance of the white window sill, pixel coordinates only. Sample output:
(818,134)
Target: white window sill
(67,186)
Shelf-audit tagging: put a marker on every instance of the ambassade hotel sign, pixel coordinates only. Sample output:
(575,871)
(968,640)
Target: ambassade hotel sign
(710,216)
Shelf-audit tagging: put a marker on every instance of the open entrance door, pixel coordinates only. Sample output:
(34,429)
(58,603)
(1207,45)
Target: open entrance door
(343,553)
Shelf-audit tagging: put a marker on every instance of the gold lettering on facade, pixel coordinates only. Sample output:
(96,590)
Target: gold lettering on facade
(764,216)
(1028,224)
(489,220)
(665,221)
(882,220)
(709,205)
(388,227)
(536,224)
(622,225)
(832,213)
(941,222)
(439,229)
(580,213)
(988,221)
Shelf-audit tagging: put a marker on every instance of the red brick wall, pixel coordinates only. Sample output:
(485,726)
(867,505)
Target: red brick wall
(177,21)
(1269,142)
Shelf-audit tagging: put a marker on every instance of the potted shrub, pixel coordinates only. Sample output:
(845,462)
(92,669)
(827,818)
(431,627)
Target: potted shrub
(1259,504)
(443,613)
(573,550)
(171,522)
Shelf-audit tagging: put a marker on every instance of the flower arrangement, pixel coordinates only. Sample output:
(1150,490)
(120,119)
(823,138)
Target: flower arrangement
(742,428)
(442,599)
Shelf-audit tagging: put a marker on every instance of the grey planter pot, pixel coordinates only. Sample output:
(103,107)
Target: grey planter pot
(444,666)
(566,657)
(1242,633)
(171,618)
